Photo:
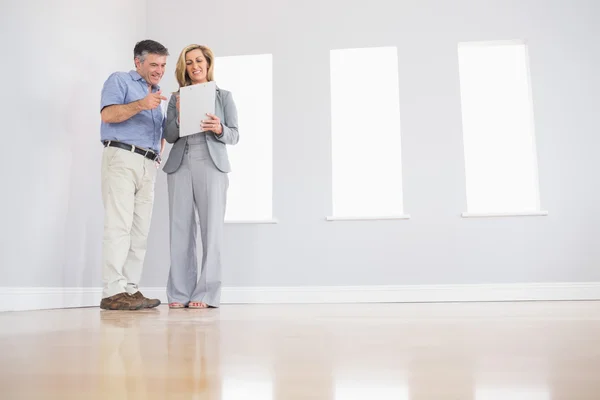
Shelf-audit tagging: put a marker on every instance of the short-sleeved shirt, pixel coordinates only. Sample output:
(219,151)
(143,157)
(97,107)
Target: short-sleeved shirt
(145,129)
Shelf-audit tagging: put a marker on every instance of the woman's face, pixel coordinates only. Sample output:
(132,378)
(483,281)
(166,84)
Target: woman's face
(196,66)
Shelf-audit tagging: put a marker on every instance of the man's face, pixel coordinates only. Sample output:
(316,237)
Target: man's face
(152,69)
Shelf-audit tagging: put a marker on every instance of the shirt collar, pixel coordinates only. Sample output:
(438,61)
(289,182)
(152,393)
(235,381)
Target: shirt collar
(137,77)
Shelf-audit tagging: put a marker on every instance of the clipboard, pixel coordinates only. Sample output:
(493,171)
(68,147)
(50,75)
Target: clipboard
(194,102)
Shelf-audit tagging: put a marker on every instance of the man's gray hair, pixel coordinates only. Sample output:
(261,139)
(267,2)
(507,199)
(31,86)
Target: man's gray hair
(145,47)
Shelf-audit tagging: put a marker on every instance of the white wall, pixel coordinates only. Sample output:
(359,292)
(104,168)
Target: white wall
(436,246)
(56,56)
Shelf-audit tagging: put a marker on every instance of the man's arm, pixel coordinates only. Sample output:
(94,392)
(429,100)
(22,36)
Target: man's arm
(113,111)
(120,112)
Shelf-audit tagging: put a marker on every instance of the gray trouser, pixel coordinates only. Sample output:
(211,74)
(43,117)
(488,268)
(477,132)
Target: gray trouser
(196,187)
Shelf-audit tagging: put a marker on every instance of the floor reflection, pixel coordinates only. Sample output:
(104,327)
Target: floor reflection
(240,388)
(527,351)
(370,383)
(122,355)
(512,393)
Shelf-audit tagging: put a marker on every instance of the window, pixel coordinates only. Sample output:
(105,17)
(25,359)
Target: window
(498,129)
(250,81)
(366,145)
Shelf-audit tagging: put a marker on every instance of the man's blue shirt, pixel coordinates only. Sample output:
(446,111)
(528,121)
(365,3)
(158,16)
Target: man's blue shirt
(145,129)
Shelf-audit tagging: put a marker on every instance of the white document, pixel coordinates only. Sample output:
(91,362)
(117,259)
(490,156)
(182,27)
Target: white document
(194,102)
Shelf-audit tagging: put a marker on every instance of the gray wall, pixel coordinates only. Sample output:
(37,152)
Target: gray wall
(60,246)
(55,58)
(436,246)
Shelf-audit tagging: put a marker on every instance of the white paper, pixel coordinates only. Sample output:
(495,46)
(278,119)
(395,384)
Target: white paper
(194,102)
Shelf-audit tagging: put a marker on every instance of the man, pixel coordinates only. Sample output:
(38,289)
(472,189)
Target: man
(132,135)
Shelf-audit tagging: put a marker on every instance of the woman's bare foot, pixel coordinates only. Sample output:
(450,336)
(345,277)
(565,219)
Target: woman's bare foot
(197,304)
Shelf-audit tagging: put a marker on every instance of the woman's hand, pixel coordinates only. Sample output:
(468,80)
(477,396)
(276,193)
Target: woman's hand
(212,124)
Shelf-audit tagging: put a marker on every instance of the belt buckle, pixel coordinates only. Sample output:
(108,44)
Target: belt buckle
(132,148)
(154,155)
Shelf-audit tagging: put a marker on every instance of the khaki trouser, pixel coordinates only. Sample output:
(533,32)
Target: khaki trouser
(128,196)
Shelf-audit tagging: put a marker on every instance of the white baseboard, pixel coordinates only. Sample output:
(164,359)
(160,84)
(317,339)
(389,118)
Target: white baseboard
(43,298)
(36,298)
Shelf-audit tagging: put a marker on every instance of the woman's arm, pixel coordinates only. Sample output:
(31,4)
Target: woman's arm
(229,131)
(171,133)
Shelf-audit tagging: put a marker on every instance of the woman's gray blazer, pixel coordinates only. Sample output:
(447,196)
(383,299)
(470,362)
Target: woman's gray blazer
(226,110)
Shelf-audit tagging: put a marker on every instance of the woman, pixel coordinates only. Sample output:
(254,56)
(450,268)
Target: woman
(197,179)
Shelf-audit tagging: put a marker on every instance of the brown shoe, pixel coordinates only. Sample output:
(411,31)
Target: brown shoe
(121,301)
(148,303)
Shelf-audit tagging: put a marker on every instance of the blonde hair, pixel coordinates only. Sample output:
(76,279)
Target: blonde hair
(180,71)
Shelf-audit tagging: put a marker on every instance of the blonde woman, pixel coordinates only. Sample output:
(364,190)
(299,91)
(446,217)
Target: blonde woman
(197,180)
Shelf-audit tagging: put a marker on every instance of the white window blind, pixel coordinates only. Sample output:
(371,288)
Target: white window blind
(250,80)
(366,145)
(498,128)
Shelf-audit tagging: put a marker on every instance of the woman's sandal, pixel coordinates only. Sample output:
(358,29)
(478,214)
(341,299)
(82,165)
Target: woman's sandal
(197,304)
(176,305)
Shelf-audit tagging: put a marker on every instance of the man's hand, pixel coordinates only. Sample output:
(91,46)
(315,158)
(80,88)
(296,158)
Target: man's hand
(152,100)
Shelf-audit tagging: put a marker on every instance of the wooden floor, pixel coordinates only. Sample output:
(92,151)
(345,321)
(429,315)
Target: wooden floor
(490,351)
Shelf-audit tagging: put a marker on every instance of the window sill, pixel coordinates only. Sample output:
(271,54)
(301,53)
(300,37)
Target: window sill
(256,221)
(374,218)
(506,214)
